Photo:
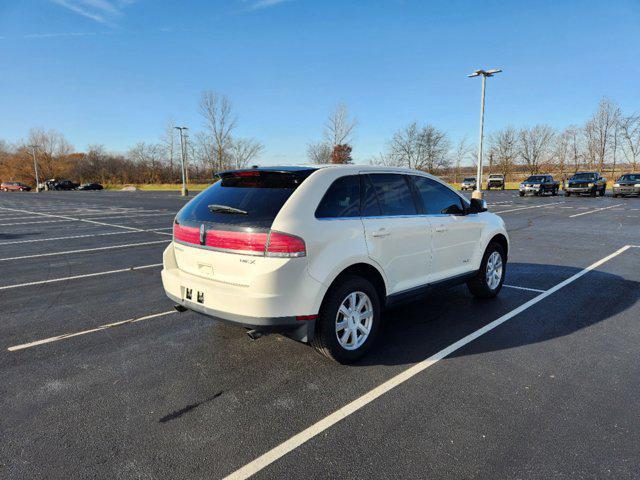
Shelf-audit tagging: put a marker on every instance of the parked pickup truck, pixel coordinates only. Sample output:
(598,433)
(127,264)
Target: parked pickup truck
(539,185)
(496,181)
(590,183)
(468,184)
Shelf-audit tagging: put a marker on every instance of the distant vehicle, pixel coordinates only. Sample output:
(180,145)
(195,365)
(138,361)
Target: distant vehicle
(539,185)
(590,183)
(496,181)
(468,184)
(65,185)
(14,187)
(90,186)
(628,184)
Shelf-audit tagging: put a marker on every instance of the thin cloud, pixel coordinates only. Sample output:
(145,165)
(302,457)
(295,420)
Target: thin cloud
(101,11)
(55,35)
(262,4)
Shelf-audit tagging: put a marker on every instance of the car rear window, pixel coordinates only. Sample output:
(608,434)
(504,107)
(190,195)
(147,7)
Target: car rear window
(245,198)
(342,199)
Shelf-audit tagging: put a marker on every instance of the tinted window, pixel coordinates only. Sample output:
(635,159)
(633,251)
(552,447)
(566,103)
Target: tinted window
(436,198)
(585,176)
(394,194)
(370,205)
(630,178)
(536,178)
(342,199)
(254,197)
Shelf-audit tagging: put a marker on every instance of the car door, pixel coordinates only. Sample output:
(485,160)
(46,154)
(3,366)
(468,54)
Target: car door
(398,238)
(456,234)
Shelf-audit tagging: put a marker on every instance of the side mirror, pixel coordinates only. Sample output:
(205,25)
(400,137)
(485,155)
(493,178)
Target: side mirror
(478,205)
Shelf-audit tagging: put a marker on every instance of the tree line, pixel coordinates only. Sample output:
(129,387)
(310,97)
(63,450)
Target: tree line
(609,141)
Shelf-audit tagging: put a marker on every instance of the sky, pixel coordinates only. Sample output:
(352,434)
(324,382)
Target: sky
(113,72)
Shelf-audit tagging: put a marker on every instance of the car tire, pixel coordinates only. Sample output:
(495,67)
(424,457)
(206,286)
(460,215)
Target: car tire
(326,339)
(555,192)
(522,194)
(602,192)
(482,285)
(567,194)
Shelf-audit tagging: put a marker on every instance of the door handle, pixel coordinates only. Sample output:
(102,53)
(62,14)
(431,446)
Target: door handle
(380,233)
(441,229)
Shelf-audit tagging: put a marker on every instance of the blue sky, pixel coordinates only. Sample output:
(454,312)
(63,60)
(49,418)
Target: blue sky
(113,71)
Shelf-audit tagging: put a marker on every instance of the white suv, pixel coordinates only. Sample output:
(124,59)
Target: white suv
(317,253)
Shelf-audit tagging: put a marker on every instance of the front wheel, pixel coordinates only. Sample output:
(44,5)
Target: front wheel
(348,321)
(488,281)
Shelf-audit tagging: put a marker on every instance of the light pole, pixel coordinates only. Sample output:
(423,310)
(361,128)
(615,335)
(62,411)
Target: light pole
(35,166)
(477,193)
(184,191)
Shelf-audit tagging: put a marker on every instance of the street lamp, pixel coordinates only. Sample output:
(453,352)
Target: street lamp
(184,192)
(35,166)
(477,193)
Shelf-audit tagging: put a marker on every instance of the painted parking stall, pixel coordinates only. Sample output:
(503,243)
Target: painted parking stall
(93,353)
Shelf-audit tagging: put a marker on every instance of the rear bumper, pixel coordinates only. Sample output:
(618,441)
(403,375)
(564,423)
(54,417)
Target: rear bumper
(266,324)
(272,303)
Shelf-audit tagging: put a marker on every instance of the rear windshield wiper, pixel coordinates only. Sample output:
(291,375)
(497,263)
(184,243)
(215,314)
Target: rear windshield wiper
(227,209)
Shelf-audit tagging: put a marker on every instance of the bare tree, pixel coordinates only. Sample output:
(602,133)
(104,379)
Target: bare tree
(171,145)
(424,148)
(147,155)
(339,128)
(630,138)
(220,123)
(534,146)
(562,151)
(504,144)
(319,152)
(242,151)
(53,149)
(462,153)
(599,131)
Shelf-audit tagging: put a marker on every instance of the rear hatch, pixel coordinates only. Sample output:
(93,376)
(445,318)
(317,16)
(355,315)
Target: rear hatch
(224,234)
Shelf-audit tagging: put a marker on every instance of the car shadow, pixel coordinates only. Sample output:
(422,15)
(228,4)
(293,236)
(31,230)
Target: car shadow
(16,236)
(415,331)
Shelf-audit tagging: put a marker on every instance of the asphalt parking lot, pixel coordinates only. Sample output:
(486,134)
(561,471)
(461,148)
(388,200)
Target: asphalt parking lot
(100,378)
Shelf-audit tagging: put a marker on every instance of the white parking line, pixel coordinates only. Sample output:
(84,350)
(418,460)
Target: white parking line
(594,211)
(97,216)
(84,250)
(524,288)
(526,208)
(71,237)
(294,442)
(75,277)
(88,221)
(91,330)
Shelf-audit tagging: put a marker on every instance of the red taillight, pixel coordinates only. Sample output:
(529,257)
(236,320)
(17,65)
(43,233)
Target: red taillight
(241,241)
(186,234)
(283,245)
(273,244)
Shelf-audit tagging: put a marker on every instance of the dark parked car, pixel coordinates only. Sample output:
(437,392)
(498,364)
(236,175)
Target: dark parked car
(66,185)
(539,185)
(589,183)
(628,184)
(90,186)
(14,187)
(495,181)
